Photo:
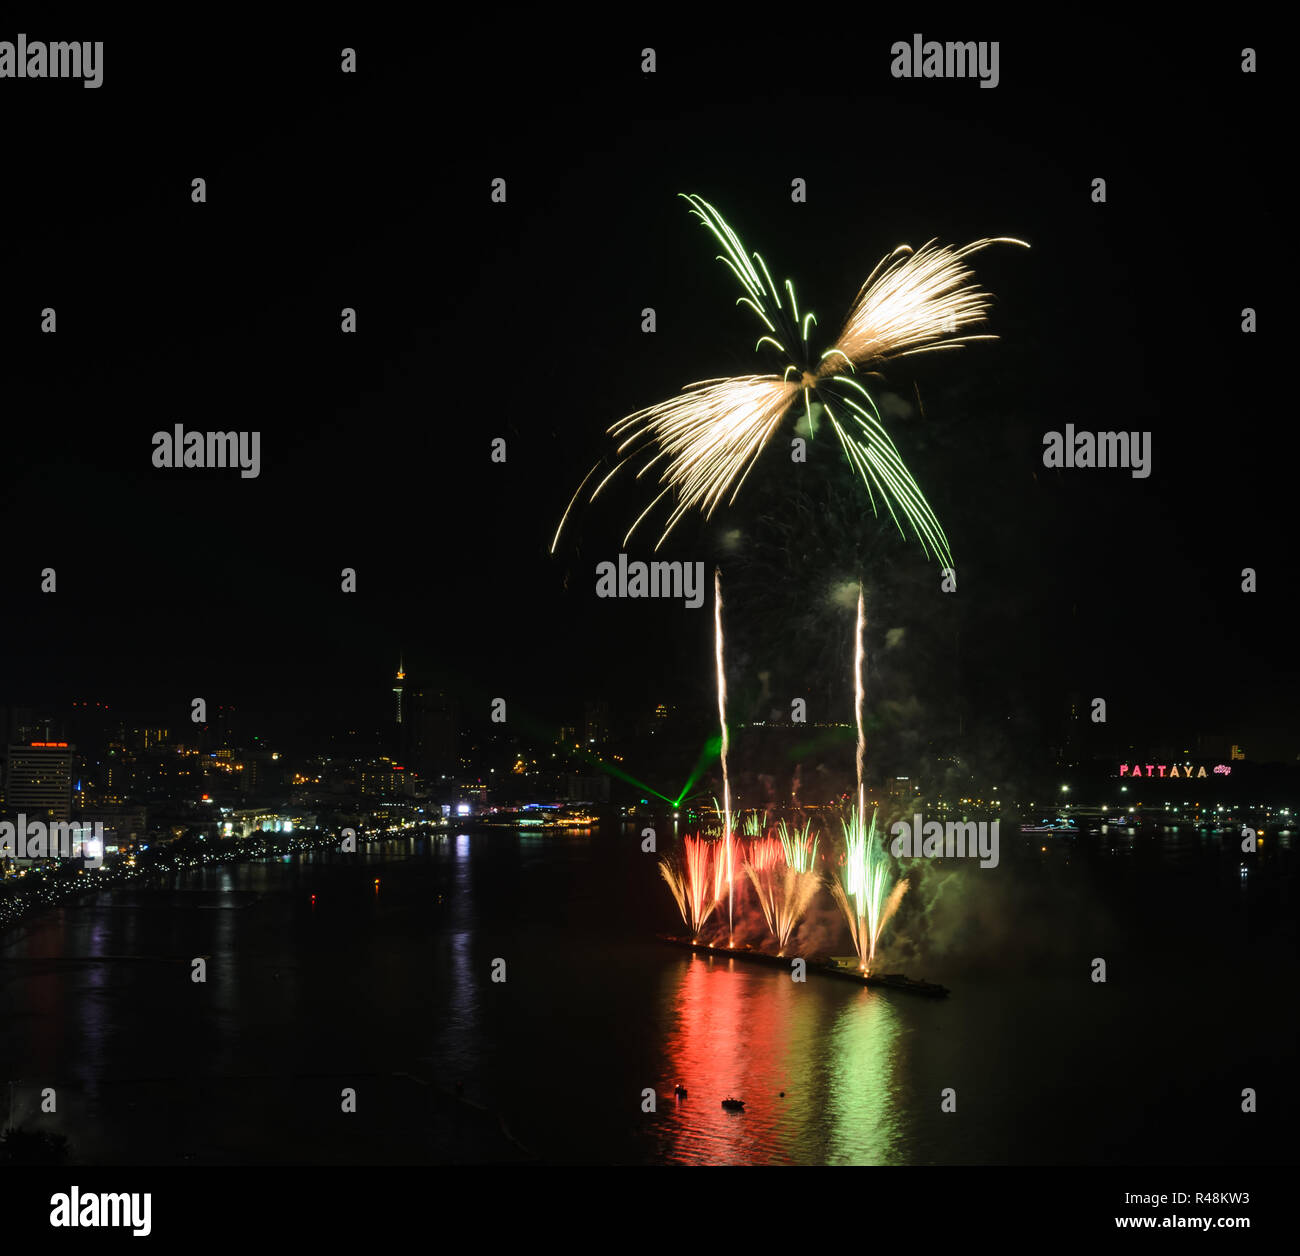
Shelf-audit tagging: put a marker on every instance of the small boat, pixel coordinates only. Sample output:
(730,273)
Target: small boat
(680,1091)
(734,1105)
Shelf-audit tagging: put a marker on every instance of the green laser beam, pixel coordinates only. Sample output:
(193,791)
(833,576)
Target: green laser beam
(712,748)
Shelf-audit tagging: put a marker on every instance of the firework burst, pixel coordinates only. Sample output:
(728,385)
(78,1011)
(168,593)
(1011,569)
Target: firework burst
(783,894)
(688,879)
(863,891)
(866,891)
(702,444)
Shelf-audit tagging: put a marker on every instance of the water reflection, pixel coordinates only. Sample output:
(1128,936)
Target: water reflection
(459,1026)
(862,1097)
(813,1063)
(150,1068)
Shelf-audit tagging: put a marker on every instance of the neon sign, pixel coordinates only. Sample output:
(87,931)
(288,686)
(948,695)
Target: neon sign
(1171,771)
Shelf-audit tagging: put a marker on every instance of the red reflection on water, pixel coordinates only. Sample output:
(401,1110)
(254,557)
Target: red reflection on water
(730,1037)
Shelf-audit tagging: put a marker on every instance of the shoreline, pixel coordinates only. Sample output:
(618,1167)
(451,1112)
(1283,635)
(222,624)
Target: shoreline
(172,858)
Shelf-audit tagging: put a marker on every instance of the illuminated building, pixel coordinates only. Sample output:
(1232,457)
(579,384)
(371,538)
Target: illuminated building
(382,778)
(38,780)
(243,824)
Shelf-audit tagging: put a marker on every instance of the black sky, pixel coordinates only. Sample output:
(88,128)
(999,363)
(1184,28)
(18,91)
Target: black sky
(523,320)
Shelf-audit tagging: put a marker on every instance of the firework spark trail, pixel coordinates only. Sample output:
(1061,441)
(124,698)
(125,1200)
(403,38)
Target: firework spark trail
(704,443)
(859,685)
(760,872)
(727,836)
(766,852)
(890,907)
(711,436)
(916,305)
(720,880)
(863,892)
(689,883)
(755,824)
(880,900)
(784,895)
(799,845)
(865,895)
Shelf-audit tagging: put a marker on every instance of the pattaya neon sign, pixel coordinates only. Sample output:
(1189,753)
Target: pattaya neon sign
(1172,770)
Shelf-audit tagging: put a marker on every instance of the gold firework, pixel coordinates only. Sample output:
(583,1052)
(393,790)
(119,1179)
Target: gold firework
(701,445)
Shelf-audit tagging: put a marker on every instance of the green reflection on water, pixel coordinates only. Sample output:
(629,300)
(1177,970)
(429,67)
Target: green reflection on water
(861,1107)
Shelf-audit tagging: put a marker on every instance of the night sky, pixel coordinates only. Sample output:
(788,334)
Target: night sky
(522,320)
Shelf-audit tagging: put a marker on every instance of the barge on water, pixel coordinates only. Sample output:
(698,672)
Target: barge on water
(823,964)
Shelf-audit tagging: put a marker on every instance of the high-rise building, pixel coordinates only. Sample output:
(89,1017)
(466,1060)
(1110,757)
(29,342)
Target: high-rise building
(38,780)
(382,778)
(596,723)
(431,744)
(28,724)
(1211,746)
(1070,726)
(91,725)
(224,733)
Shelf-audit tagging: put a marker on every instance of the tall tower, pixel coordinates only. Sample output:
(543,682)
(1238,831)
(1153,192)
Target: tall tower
(399,685)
